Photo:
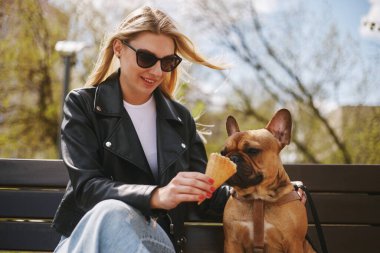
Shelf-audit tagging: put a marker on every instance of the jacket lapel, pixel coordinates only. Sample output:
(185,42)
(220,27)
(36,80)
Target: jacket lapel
(122,138)
(126,144)
(170,144)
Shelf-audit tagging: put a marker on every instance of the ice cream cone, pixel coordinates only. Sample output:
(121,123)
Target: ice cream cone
(219,168)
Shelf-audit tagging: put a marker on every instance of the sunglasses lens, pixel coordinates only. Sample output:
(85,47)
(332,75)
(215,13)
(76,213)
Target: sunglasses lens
(145,59)
(169,63)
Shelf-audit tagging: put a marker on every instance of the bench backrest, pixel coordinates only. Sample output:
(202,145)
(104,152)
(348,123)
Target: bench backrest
(347,198)
(30,192)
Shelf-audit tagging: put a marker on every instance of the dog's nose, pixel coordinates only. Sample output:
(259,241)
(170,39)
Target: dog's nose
(236,159)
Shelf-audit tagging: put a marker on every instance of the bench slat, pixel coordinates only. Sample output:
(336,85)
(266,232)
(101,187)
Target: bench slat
(339,239)
(346,208)
(336,178)
(335,209)
(342,178)
(204,239)
(349,239)
(37,204)
(29,204)
(32,173)
(27,236)
(343,194)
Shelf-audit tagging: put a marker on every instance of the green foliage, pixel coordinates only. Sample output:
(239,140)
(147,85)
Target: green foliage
(30,89)
(361,131)
(357,130)
(280,65)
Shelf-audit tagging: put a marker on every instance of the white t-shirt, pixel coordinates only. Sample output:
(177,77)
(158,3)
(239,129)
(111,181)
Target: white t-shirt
(144,120)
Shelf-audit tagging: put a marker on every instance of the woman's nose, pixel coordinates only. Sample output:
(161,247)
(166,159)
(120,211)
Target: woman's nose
(156,69)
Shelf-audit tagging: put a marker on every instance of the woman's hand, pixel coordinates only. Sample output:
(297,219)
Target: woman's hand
(301,193)
(184,187)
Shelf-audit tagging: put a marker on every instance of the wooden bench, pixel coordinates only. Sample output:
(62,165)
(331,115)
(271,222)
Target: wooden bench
(347,198)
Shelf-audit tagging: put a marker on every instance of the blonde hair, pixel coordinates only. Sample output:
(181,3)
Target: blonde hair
(146,19)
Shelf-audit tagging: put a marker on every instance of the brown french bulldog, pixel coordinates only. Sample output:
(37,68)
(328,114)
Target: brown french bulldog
(261,183)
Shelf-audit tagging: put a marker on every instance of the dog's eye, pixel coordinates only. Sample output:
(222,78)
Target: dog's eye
(252,151)
(223,152)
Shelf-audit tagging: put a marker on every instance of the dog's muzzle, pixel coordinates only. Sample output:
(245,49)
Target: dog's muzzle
(245,175)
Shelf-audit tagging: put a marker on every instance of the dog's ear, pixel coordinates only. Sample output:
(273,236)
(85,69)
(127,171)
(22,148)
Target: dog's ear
(281,126)
(232,126)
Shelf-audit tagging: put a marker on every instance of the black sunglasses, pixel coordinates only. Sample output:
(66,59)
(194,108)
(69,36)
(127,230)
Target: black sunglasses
(146,59)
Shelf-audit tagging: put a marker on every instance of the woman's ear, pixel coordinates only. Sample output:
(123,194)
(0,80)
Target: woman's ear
(117,47)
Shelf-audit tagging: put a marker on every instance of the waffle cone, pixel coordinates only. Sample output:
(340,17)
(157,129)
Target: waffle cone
(220,169)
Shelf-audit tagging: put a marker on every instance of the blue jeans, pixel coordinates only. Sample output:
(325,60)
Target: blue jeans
(113,226)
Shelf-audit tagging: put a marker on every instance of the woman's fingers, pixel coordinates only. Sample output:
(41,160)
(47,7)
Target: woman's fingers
(184,187)
(196,175)
(193,182)
(168,197)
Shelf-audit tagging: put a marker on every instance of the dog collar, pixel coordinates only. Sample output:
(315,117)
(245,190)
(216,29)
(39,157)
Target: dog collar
(291,196)
(247,198)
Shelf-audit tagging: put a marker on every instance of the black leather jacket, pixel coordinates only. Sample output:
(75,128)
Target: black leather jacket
(105,160)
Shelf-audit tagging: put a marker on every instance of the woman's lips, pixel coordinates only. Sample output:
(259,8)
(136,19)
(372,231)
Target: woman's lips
(148,81)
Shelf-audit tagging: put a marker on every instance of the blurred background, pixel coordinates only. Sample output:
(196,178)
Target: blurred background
(318,58)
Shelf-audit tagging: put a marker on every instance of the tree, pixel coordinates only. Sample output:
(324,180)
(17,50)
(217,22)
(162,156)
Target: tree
(284,61)
(30,88)
(90,23)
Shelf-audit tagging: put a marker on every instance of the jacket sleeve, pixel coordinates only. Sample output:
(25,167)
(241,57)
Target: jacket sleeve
(81,152)
(214,206)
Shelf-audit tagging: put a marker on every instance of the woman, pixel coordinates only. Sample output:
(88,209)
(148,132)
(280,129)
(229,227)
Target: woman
(133,154)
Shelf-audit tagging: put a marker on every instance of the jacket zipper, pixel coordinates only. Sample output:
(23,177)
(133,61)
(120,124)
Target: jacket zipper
(171,225)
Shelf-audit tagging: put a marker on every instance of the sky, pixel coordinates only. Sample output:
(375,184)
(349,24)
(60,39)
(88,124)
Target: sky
(349,15)
(354,18)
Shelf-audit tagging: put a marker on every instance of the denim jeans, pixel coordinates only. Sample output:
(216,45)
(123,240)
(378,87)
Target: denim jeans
(113,226)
